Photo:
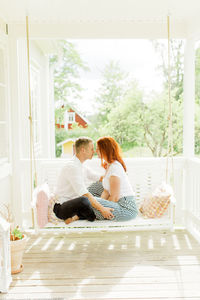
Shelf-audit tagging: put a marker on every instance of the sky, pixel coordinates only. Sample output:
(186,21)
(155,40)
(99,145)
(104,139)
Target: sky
(137,57)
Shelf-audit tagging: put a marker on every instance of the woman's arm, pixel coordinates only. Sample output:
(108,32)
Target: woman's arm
(114,182)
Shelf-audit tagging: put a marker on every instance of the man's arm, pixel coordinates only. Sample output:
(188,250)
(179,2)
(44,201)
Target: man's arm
(105,211)
(91,174)
(77,182)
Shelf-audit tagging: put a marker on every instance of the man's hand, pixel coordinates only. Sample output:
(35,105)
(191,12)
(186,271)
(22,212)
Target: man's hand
(106,213)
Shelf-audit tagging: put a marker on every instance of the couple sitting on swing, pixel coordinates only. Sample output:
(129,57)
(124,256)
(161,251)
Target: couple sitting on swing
(115,199)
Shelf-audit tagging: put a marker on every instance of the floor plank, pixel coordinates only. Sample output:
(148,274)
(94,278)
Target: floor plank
(110,265)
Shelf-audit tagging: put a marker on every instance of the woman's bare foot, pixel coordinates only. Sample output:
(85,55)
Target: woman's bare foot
(70,220)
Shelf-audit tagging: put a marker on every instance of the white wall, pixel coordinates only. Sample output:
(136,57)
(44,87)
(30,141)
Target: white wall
(20,120)
(40,63)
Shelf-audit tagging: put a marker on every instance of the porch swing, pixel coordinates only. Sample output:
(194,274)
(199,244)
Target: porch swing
(143,179)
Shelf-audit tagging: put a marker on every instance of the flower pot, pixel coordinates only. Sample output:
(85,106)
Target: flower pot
(17,250)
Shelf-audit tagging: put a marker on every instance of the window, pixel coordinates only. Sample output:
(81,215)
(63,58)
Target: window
(71,117)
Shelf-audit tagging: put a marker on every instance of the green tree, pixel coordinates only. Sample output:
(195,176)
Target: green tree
(67,65)
(197,75)
(157,107)
(111,91)
(154,120)
(176,64)
(123,120)
(197,98)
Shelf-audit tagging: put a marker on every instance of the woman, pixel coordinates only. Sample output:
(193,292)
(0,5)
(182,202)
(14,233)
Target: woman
(118,193)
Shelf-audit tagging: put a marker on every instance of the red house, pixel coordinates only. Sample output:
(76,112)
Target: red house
(71,117)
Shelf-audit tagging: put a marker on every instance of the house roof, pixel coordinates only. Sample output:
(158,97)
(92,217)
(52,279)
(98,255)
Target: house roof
(65,141)
(80,115)
(103,19)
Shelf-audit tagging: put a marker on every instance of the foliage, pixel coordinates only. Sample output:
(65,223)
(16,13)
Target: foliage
(75,132)
(123,113)
(123,122)
(60,135)
(197,106)
(197,76)
(176,64)
(111,91)
(197,128)
(16,234)
(66,65)
(154,121)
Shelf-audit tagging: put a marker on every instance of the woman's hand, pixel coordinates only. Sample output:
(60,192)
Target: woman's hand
(101,178)
(107,213)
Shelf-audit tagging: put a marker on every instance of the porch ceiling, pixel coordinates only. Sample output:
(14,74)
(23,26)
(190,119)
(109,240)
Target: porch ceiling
(106,18)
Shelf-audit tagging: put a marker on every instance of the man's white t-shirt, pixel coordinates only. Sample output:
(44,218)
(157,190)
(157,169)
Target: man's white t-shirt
(116,169)
(71,180)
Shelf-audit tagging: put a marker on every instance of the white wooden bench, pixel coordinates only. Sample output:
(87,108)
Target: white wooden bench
(145,175)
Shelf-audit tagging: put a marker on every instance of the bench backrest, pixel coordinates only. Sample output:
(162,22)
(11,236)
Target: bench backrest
(144,174)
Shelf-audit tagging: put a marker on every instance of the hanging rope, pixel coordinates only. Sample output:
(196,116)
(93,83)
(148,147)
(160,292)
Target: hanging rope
(32,149)
(170,129)
(170,146)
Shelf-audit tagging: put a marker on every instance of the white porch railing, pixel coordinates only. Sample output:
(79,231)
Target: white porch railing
(192,197)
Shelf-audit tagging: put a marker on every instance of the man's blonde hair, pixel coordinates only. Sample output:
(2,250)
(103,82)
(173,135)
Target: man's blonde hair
(82,142)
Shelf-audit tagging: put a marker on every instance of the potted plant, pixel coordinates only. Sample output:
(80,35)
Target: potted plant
(17,243)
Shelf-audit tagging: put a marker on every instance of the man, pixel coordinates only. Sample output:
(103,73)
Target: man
(71,184)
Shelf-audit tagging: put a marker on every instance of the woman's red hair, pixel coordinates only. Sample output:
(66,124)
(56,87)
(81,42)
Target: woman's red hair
(109,151)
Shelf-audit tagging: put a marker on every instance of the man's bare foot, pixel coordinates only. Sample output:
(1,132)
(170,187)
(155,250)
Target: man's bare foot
(70,220)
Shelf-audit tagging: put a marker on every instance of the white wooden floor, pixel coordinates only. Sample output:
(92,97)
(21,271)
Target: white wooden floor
(109,265)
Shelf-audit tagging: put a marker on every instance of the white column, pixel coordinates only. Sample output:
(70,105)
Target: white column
(189,99)
(21,196)
(15,107)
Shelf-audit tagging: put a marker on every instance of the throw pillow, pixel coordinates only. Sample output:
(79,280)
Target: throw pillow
(42,200)
(51,216)
(156,204)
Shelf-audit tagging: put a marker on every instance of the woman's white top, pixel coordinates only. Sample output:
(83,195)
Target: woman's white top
(116,169)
